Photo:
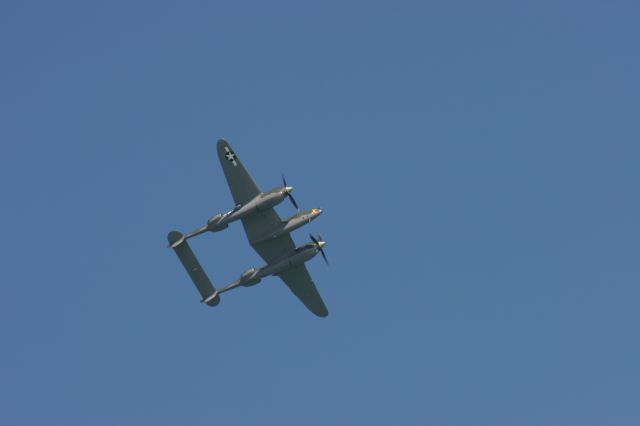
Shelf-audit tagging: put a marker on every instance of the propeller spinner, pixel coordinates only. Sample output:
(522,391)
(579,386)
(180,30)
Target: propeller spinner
(319,242)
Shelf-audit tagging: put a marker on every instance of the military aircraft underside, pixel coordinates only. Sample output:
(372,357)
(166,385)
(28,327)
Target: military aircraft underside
(267,234)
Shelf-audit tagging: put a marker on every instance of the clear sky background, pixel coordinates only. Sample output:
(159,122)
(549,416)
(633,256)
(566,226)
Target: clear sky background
(478,163)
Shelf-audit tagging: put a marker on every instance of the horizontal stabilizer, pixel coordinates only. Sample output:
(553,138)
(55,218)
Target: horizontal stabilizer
(213,298)
(193,268)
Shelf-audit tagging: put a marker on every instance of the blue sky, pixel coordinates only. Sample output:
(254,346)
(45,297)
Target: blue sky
(478,167)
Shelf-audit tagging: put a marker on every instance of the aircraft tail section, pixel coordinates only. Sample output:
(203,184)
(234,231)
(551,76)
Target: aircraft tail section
(193,268)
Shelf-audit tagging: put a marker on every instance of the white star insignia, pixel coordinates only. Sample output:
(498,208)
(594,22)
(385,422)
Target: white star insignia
(231,156)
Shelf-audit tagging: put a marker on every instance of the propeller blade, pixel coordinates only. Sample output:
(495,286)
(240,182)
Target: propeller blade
(316,242)
(293,201)
(284,185)
(324,256)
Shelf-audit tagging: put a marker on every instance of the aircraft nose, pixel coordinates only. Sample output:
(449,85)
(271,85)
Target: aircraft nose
(317,211)
(321,244)
(288,189)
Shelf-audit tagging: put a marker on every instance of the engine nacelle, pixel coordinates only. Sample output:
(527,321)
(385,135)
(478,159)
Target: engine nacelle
(213,223)
(215,219)
(268,200)
(248,273)
(246,277)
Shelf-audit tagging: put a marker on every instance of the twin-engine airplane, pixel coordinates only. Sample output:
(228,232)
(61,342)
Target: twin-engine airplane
(266,232)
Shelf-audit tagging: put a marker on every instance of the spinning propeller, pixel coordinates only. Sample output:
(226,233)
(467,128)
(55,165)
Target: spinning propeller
(319,242)
(288,190)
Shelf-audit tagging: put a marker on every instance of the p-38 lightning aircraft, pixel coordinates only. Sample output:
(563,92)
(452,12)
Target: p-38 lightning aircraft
(266,232)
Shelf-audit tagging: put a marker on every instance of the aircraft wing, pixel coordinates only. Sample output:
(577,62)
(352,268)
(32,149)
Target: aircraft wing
(300,283)
(243,189)
(296,278)
(241,184)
